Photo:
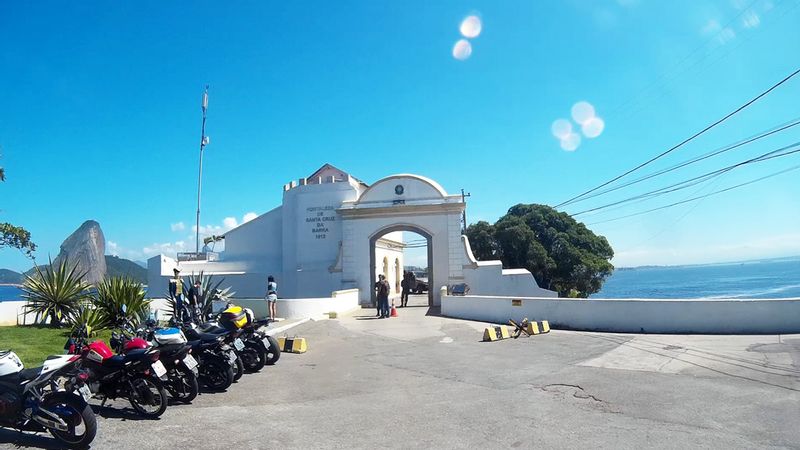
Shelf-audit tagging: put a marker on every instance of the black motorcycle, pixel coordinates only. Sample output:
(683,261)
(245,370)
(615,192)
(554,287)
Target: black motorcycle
(181,380)
(31,400)
(225,341)
(252,335)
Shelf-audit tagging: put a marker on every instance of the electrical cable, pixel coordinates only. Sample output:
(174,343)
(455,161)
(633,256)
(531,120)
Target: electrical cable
(701,196)
(727,148)
(687,140)
(701,178)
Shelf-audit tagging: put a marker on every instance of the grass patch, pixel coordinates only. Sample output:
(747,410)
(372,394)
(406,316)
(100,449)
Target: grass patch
(34,343)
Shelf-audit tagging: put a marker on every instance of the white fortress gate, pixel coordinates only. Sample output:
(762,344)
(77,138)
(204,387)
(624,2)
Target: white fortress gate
(334,232)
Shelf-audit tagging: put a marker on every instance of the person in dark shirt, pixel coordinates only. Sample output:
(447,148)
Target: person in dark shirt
(194,299)
(382,291)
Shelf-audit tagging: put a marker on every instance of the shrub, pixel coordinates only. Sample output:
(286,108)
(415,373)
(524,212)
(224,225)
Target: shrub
(55,293)
(114,292)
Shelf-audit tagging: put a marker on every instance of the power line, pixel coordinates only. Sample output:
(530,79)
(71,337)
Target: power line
(701,196)
(727,148)
(685,141)
(700,179)
(667,76)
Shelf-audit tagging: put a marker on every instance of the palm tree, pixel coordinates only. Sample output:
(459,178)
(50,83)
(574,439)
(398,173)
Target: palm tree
(55,293)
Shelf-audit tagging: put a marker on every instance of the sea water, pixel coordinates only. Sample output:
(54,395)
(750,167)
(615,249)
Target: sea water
(773,278)
(10,293)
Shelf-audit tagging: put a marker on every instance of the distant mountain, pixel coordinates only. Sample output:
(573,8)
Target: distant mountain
(118,267)
(10,277)
(85,248)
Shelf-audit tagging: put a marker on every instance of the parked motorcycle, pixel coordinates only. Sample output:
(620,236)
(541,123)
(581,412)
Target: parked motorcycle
(227,343)
(251,333)
(32,400)
(137,375)
(175,354)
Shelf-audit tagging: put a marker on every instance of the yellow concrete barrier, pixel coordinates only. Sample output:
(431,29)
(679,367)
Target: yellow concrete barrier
(495,333)
(293,345)
(533,328)
(544,326)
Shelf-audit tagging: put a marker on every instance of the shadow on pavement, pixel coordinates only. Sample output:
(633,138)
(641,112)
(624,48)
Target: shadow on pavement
(28,439)
(108,412)
(434,311)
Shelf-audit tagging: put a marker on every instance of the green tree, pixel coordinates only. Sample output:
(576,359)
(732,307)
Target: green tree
(15,237)
(561,253)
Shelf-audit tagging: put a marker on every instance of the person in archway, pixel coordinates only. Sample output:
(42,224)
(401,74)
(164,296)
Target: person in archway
(382,293)
(272,298)
(406,286)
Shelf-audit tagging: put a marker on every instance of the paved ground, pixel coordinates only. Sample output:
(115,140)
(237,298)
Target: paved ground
(424,381)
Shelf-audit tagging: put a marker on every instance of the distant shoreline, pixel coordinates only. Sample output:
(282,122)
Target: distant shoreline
(721,263)
(11,285)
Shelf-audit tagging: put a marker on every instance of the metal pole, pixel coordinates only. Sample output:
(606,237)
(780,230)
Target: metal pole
(200,172)
(464,213)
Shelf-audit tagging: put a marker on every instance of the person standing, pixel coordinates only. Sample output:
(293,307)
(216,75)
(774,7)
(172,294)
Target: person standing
(194,299)
(272,298)
(405,286)
(176,294)
(382,293)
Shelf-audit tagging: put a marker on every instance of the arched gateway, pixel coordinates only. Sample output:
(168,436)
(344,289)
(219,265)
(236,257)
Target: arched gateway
(402,203)
(334,232)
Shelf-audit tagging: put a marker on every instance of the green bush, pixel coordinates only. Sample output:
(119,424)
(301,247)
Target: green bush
(89,316)
(114,292)
(55,293)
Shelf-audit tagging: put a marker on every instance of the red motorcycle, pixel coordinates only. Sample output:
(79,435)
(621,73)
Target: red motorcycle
(137,375)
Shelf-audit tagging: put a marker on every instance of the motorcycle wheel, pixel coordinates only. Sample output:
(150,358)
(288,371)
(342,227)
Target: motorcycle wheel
(273,352)
(148,396)
(253,357)
(238,370)
(183,385)
(216,374)
(77,414)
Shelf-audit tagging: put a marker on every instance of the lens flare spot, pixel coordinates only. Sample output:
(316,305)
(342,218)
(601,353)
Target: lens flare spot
(462,50)
(561,128)
(582,112)
(471,27)
(571,142)
(593,127)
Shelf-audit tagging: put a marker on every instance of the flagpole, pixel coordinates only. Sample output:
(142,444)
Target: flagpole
(203,142)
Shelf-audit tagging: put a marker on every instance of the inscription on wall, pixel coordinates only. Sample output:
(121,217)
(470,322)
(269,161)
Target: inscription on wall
(319,219)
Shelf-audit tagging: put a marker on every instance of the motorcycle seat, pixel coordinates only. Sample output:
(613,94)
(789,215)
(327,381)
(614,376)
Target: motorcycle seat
(212,328)
(29,374)
(115,361)
(202,336)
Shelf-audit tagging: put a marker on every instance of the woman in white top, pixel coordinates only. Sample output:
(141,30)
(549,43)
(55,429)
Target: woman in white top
(272,298)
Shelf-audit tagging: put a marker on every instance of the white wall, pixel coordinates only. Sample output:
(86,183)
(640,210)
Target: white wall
(289,308)
(12,313)
(258,239)
(312,232)
(489,278)
(718,316)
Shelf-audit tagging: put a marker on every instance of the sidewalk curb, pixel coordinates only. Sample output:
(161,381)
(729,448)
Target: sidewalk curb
(283,328)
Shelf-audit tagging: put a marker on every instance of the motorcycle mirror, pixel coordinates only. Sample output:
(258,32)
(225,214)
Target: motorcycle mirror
(124,308)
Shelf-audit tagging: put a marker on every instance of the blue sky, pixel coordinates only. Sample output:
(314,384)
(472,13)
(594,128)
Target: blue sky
(99,112)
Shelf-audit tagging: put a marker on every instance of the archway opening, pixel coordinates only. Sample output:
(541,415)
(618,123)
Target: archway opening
(403,254)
